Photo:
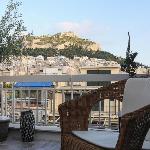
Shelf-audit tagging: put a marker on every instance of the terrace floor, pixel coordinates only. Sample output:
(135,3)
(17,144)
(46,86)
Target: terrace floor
(43,140)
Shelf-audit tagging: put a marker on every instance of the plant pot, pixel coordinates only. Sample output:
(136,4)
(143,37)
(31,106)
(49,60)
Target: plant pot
(4,125)
(27,126)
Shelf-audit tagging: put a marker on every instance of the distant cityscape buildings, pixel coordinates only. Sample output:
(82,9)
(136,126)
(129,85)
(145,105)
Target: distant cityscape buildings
(60,65)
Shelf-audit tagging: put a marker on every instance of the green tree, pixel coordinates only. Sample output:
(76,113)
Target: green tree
(11,28)
(129,64)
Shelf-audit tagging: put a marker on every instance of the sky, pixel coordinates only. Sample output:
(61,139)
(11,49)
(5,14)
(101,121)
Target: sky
(106,22)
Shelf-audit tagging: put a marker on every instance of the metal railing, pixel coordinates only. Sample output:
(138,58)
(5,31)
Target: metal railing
(44,101)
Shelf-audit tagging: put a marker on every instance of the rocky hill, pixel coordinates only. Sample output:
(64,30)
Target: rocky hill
(59,41)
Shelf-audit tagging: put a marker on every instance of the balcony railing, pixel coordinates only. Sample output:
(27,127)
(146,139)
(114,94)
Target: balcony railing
(44,101)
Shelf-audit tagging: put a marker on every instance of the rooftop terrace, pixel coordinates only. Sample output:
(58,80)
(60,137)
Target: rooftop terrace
(43,140)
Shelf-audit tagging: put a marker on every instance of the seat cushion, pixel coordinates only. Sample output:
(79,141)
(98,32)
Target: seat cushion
(136,96)
(103,138)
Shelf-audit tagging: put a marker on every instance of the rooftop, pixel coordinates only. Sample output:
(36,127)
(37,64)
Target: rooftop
(42,141)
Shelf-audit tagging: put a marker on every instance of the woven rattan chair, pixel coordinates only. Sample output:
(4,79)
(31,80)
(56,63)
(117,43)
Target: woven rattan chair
(74,117)
(74,114)
(134,127)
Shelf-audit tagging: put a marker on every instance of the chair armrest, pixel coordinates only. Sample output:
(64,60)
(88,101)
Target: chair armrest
(134,127)
(74,114)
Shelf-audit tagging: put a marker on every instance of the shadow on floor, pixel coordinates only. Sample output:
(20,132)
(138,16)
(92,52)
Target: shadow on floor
(43,140)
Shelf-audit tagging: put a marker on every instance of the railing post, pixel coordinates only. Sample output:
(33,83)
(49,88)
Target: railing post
(2,103)
(51,105)
(29,95)
(37,97)
(54,106)
(6,103)
(45,107)
(115,106)
(80,91)
(21,106)
(13,103)
(71,90)
(90,116)
(118,106)
(109,119)
(119,117)
(63,96)
(99,113)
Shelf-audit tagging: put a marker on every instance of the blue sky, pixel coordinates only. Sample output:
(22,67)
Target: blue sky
(103,21)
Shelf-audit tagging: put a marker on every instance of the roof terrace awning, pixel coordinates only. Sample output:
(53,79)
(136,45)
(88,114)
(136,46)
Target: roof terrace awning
(33,84)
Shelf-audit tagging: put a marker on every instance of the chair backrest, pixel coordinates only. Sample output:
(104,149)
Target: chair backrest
(136,96)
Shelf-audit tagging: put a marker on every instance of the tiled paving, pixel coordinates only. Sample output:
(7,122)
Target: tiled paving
(43,140)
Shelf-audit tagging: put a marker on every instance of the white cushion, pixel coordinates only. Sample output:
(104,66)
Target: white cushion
(105,139)
(136,95)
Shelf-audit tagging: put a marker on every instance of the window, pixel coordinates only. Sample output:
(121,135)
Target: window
(100,83)
(68,96)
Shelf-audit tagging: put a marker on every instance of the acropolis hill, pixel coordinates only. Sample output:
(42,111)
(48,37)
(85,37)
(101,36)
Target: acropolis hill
(59,41)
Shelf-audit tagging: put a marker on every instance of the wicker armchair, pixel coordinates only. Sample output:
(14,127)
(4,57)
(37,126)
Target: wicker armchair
(74,114)
(134,127)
